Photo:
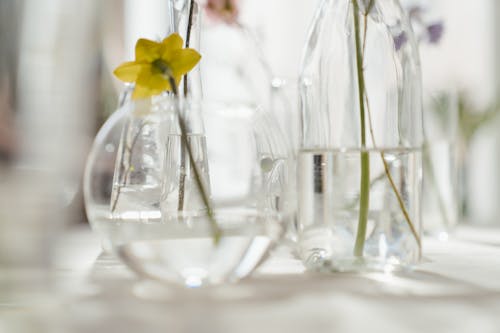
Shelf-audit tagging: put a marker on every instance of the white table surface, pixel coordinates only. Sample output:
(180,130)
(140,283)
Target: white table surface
(456,289)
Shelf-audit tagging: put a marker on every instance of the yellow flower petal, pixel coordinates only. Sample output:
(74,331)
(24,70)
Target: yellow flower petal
(154,61)
(141,92)
(129,71)
(153,81)
(147,50)
(170,44)
(183,61)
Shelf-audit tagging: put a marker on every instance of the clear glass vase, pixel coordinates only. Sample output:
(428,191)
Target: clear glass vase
(359,167)
(441,186)
(123,173)
(98,175)
(242,161)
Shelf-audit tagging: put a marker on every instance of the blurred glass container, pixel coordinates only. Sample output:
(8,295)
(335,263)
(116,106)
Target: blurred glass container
(234,68)
(285,104)
(243,162)
(48,84)
(441,186)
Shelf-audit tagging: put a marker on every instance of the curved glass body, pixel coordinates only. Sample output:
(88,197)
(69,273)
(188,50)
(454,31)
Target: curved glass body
(156,218)
(360,159)
(124,165)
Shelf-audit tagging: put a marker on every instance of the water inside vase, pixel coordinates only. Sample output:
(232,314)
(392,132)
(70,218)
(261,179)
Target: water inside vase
(184,250)
(329,201)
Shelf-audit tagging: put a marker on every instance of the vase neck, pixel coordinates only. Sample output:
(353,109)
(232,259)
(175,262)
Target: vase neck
(184,16)
(180,12)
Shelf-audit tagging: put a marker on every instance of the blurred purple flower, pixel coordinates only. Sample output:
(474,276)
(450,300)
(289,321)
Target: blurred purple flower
(435,32)
(432,33)
(400,40)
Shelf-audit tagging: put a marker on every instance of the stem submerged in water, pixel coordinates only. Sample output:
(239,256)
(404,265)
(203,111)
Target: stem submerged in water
(128,166)
(188,41)
(216,232)
(365,161)
(364,202)
(182,176)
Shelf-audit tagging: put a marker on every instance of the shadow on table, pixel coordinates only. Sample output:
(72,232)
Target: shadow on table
(114,279)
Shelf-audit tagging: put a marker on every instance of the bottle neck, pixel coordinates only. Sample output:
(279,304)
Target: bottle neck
(184,16)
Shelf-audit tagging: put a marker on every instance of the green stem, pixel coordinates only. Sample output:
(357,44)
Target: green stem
(364,202)
(382,153)
(182,179)
(130,150)
(182,176)
(401,204)
(188,41)
(369,7)
(216,232)
(388,174)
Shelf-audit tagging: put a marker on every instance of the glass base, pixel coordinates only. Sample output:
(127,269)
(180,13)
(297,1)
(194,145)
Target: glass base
(332,236)
(440,235)
(317,262)
(183,250)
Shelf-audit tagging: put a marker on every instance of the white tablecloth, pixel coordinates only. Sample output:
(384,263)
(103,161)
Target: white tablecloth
(456,289)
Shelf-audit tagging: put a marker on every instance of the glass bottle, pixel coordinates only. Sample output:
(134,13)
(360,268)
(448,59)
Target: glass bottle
(359,168)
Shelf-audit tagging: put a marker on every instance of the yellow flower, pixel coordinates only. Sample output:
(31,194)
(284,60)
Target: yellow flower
(155,63)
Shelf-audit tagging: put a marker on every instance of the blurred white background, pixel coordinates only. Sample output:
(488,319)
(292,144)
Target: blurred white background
(57,88)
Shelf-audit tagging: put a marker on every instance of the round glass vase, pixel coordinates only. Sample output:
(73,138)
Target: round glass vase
(359,166)
(122,177)
(239,157)
(98,175)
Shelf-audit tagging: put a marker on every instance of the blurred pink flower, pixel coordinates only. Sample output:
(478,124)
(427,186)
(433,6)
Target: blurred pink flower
(223,10)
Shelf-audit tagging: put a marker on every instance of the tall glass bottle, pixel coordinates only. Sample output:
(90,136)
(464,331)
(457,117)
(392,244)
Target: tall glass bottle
(234,67)
(359,169)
